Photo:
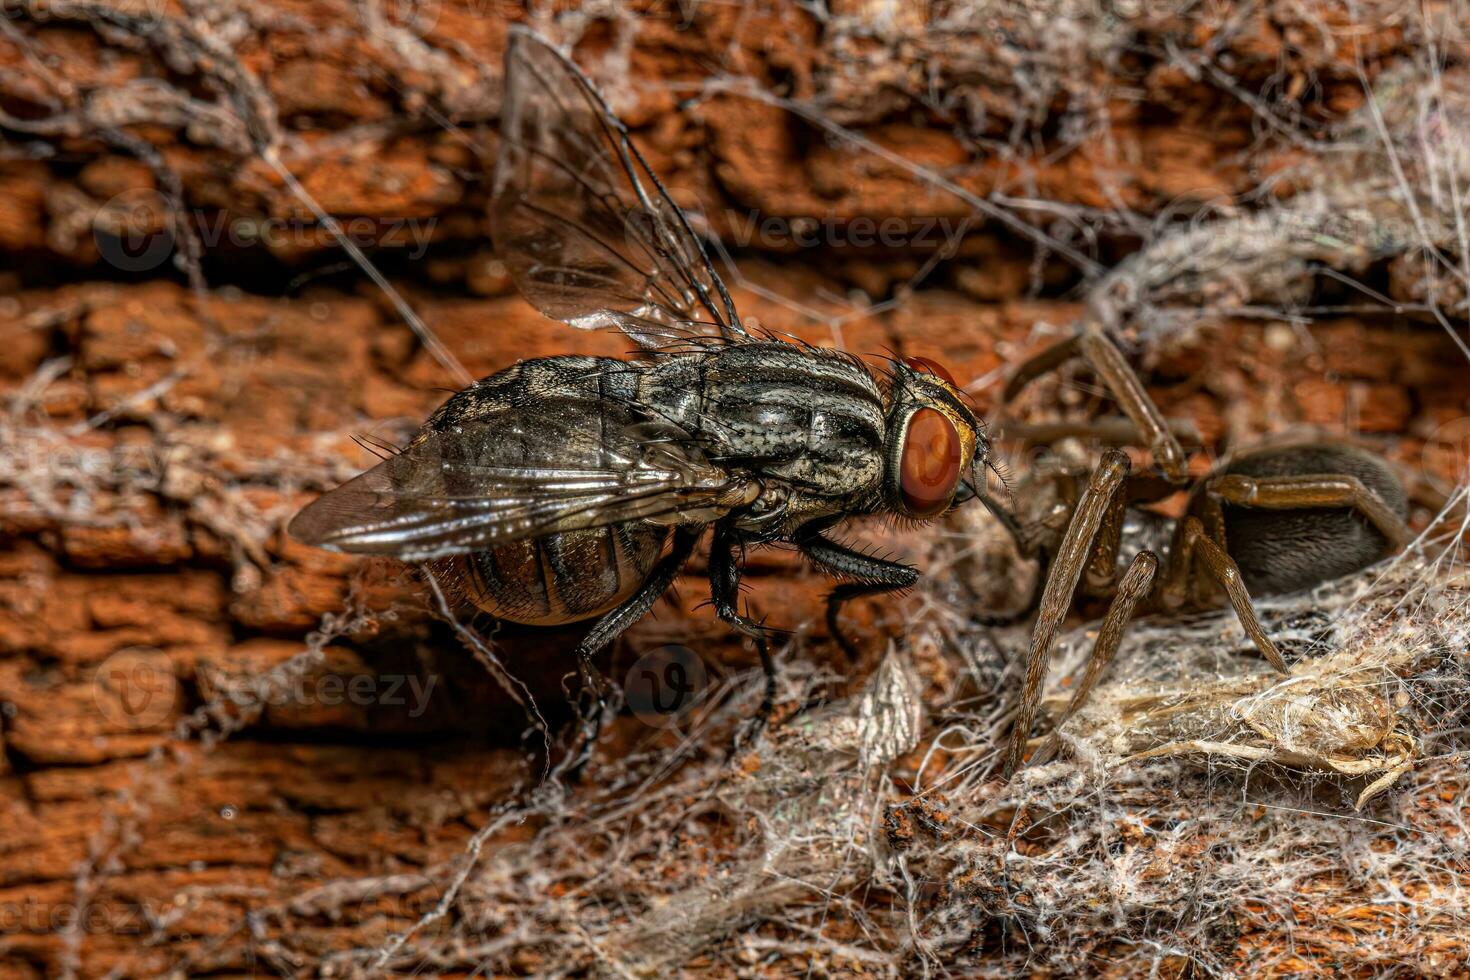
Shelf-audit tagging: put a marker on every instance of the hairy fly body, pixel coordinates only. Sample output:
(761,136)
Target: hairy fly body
(569,487)
(766,437)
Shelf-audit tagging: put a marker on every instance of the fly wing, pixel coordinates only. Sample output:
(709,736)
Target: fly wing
(492,482)
(587,230)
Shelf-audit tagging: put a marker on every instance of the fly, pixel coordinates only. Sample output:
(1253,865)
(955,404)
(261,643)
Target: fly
(566,488)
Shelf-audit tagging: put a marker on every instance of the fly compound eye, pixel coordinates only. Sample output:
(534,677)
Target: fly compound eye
(929,468)
(926,366)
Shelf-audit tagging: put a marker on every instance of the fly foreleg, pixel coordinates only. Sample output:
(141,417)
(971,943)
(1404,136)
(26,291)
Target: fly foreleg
(874,577)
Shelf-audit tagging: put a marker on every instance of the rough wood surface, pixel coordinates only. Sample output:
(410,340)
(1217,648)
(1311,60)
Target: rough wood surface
(165,417)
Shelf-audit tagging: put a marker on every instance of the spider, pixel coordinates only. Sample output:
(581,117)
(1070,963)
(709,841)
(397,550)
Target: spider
(1268,521)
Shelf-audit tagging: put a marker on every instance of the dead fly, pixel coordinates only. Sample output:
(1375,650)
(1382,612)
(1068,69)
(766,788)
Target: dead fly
(564,488)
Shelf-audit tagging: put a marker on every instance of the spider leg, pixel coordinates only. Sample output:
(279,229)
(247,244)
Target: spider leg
(1204,536)
(1094,346)
(1043,361)
(1134,586)
(1111,430)
(1313,490)
(875,575)
(1193,542)
(594,686)
(726,553)
(1100,574)
(1212,519)
(1078,552)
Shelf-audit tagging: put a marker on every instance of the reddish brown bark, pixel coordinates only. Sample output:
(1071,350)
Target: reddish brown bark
(145,568)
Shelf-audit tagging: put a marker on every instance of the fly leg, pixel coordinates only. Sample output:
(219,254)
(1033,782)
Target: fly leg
(874,577)
(725,557)
(594,687)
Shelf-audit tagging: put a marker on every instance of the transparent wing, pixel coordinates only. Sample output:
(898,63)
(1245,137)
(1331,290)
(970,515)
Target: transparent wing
(489,483)
(587,230)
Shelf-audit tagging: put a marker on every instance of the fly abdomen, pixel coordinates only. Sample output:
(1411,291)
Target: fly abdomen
(563,577)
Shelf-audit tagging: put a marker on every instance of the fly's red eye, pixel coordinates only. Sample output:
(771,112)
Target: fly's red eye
(929,469)
(927,366)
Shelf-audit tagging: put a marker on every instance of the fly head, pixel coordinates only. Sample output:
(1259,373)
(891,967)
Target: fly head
(936,447)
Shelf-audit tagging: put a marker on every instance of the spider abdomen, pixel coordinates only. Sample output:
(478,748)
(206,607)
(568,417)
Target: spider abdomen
(1289,550)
